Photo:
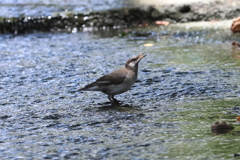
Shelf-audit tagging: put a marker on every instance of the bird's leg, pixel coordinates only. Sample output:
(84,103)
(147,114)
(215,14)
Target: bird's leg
(115,100)
(112,99)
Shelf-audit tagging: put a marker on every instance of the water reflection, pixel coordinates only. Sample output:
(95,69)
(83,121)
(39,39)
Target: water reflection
(121,107)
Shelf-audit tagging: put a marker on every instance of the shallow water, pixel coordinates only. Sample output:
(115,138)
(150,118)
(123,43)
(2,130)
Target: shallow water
(12,8)
(189,80)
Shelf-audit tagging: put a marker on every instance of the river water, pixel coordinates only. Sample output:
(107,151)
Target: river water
(17,8)
(188,81)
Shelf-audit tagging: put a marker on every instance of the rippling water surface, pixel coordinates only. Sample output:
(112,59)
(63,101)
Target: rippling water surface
(13,8)
(189,80)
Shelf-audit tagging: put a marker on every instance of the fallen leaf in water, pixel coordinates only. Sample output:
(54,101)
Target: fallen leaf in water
(148,44)
(236,44)
(236,25)
(162,23)
(238,118)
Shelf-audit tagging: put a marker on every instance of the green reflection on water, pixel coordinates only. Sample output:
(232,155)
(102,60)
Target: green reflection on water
(200,57)
(192,138)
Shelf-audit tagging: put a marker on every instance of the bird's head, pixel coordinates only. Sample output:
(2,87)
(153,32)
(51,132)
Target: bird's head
(132,63)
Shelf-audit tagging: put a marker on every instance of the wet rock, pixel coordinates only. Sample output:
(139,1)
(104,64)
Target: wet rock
(185,9)
(236,25)
(221,127)
(119,18)
(236,155)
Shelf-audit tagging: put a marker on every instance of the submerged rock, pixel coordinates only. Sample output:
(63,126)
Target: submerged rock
(221,127)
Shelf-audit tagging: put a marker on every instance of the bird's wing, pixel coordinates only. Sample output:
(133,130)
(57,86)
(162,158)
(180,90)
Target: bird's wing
(115,77)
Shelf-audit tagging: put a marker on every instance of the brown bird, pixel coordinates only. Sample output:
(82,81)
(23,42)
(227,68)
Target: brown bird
(118,81)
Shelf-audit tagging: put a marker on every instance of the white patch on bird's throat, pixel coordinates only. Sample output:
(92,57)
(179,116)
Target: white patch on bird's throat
(131,64)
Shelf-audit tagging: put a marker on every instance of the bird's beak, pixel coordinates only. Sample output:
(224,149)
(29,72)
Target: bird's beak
(141,56)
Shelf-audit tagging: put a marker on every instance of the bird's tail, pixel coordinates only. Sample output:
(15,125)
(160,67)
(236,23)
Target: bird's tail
(90,87)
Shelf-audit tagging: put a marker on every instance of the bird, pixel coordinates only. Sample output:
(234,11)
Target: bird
(118,81)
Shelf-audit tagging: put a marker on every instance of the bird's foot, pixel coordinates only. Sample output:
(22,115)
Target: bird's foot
(115,101)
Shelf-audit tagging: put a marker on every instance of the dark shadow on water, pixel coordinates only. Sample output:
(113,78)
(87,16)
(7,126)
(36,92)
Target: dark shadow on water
(120,107)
